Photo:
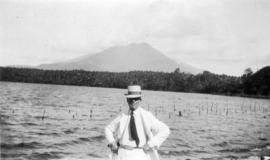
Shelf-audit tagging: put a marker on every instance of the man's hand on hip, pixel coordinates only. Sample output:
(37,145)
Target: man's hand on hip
(114,147)
(146,148)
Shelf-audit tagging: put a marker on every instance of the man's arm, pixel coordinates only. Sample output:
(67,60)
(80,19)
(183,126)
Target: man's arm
(160,132)
(112,128)
(110,131)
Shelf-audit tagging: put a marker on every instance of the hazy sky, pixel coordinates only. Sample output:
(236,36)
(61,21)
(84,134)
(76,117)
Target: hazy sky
(222,36)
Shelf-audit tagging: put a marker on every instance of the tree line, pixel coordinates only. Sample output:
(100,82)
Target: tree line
(249,84)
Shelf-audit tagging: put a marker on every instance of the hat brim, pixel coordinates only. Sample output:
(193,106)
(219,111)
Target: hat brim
(132,95)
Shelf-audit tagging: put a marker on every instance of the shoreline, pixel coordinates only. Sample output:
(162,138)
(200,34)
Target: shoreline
(217,94)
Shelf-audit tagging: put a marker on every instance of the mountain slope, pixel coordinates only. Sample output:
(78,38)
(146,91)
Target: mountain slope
(258,83)
(139,56)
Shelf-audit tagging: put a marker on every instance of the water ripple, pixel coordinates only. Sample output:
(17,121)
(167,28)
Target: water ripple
(22,145)
(40,121)
(46,155)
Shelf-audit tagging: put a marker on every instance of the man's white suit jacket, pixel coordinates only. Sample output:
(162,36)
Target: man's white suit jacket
(155,130)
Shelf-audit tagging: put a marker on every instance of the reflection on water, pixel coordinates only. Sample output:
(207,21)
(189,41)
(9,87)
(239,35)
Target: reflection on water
(66,122)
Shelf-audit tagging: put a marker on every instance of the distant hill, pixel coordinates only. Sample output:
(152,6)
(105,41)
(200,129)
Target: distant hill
(21,66)
(136,56)
(258,83)
(250,85)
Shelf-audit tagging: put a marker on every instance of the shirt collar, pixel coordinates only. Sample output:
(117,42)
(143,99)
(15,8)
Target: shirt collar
(135,111)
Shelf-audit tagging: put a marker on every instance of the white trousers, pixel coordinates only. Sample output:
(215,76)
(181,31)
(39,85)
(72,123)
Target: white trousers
(134,154)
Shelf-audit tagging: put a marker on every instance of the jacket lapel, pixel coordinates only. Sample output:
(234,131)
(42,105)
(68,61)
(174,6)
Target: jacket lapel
(147,128)
(152,154)
(123,125)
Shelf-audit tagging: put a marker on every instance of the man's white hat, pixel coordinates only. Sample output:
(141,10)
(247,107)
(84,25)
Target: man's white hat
(134,91)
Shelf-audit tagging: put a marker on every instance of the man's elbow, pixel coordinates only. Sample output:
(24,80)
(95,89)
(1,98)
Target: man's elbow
(167,131)
(107,131)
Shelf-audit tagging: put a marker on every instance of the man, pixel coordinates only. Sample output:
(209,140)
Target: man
(138,135)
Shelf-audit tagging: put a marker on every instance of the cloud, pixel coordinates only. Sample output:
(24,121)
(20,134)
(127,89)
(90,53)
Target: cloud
(228,34)
(209,34)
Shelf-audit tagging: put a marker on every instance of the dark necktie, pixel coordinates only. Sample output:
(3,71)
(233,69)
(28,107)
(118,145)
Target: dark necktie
(133,130)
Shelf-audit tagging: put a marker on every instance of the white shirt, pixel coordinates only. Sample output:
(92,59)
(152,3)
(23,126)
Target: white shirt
(126,138)
(149,129)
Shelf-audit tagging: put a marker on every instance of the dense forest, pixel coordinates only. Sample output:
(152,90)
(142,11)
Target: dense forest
(249,84)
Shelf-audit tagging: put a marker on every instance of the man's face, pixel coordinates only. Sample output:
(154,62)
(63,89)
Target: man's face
(133,103)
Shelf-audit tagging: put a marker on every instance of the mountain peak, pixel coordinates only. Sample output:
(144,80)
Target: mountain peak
(134,56)
(142,44)
(131,46)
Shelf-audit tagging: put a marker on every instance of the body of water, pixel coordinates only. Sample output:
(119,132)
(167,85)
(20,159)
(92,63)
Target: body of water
(41,121)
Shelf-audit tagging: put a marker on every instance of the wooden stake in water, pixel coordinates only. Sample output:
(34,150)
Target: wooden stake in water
(179,114)
(43,115)
(91,112)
